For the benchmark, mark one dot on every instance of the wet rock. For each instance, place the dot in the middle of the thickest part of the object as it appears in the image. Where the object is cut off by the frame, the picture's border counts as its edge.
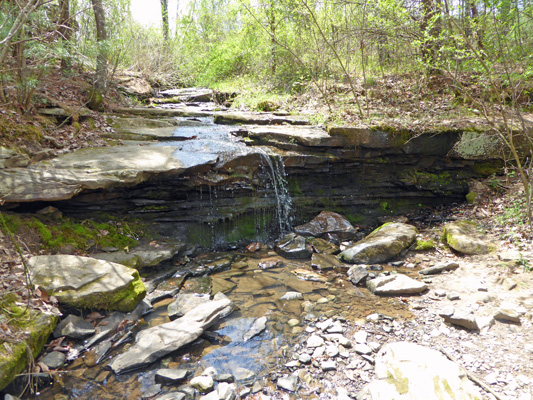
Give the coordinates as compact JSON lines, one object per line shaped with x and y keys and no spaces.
{"x":151,"y":391}
{"x":293,"y":246}
{"x":170,"y":375}
{"x":423,"y":373}
{"x":203,"y":383}
{"x":270,"y":264}
{"x":466,"y":319}
{"x":291,"y":296}
{"x":328,"y":225}
{"x":395,"y":285}
{"x":86,"y":282}
{"x":322,"y":246}
{"x":184,"y":303}
{"x":224,"y":378}
{"x":437,"y":269}
{"x":54,"y":360}
{"x":154,"y":343}
{"x":258,"y":326}
{"x":243,"y":374}
{"x":74,"y":327}
{"x":386,"y":242}
{"x":307,"y":275}
{"x":325,"y":262}
{"x":357,"y":274}
{"x":289,"y":383}
{"x":465,"y":237}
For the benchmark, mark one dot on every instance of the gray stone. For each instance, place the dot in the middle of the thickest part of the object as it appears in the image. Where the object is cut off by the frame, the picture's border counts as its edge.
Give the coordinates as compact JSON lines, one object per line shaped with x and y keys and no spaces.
{"x":243,"y":374}
{"x":308,"y":275}
{"x":305,"y":358}
{"x":291,"y":296}
{"x":211,"y":396}
{"x":156,"y":342}
{"x":357,"y":274}
{"x":86,"y":282}
{"x":395,"y":285}
{"x":250,"y":118}
{"x":437,"y":269}
{"x":462,"y":318}
{"x":325,"y":262}
{"x":97,"y":168}
{"x":300,"y":135}
{"x":385,"y":243}
{"x":329,"y":365}
{"x":361,"y":348}
{"x":226,"y":391}
{"x":184,"y":303}
{"x":224,"y":378}
{"x":258,"y":326}
{"x":289,"y":383}
{"x":322,"y":246}
{"x":54,"y":360}
{"x":170,"y":375}
{"x":315,"y":341}
{"x":465,"y":237}
{"x":171,"y":396}
{"x":203,"y":383}
{"x":423,"y":373}
{"x":74,"y":327}
{"x":293,"y":246}
{"x":360,"y":336}
{"x":143,"y":257}
{"x":508,"y":313}
{"x":328,"y":225}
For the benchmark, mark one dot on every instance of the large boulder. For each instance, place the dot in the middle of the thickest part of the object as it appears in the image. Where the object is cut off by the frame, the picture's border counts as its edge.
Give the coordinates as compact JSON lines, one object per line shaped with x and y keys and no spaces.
{"x":395,"y":285}
{"x":85,"y":282}
{"x":328,"y":225}
{"x":385,"y":243}
{"x":465,"y":237}
{"x":408,"y":371}
{"x":154,"y":343}
{"x":293,"y":246}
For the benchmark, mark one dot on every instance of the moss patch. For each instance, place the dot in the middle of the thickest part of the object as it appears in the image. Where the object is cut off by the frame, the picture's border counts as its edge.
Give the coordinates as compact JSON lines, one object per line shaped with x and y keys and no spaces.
{"x":30,"y":329}
{"x":424,"y":245}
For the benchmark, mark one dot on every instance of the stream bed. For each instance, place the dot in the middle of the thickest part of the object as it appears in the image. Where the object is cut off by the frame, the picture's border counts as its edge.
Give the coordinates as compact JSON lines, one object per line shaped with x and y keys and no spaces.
{"x":229,"y":346}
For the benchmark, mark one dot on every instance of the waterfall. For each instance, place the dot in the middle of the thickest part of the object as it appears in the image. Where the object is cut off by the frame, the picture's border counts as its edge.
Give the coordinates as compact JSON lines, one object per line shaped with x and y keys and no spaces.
{"x":278,"y":181}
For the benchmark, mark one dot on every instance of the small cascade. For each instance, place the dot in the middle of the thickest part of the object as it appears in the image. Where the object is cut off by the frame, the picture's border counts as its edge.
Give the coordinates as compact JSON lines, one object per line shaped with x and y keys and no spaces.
{"x":276,"y":172}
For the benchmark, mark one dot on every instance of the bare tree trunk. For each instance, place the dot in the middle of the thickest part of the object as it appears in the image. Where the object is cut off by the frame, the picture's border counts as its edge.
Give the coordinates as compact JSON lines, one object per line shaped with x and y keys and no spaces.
{"x":164,"y":16}
{"x":96,"y":96}
{"x":65,"y":30}
{"x":430,"y":27}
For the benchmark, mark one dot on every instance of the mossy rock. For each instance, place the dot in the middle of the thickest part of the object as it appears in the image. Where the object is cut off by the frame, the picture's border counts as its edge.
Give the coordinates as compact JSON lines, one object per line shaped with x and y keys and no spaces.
{"x":424,"y":245}
{"x":85,"y":282}
{"x":383,"y":244}
{"x":36,"y":328}
{"x":466,"y":237}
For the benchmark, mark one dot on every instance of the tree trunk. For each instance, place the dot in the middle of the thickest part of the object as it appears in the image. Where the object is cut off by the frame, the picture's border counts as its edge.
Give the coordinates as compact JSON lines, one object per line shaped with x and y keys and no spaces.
{"x":164,"y":16}
{"x":65,"y":30}
{"x":430,"y":27}
{"x":96,"y":95}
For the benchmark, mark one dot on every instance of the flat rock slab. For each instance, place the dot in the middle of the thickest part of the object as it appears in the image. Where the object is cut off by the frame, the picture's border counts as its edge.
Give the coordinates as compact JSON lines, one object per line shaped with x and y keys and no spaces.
{"x":86,"y":282}
{"x":74,"y":327}
{"x":95,"y":168}
{"x":189,"y":94}
{"x":325,"y":262}
{"x":302,"y":135}
{"x":385,"y":243}
{"x":154,"y":343}
{"x":419,"y":372}
{"x":466,"y":237}
{"x":180,"y":111}
{"x":143,"y":256}
{"x":184,"y":303}
{"x":249,"y":118}
{"x":437,"y":269}
{"x":395,"y":285}
{"x":328,"y":225}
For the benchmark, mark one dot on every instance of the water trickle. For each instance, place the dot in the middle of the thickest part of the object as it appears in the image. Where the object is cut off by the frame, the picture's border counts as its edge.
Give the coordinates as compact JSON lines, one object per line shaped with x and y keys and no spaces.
{"x":278,"y":181}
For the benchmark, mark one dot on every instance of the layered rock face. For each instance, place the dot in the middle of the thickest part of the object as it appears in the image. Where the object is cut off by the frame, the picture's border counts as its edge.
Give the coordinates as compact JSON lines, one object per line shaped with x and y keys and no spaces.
{"x":213,"y":184}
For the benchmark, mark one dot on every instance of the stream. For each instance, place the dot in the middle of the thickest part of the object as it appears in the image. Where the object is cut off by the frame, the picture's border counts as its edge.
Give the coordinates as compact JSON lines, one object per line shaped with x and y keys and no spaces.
{"x":261,"y":284}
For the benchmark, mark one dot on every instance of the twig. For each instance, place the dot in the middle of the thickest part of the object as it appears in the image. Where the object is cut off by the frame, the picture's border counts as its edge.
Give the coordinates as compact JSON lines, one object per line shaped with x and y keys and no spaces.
{"x":471,"y":376}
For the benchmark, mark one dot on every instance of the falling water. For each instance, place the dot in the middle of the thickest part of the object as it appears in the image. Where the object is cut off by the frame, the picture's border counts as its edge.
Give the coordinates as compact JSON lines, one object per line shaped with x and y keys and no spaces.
{"x":276,"y":172}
